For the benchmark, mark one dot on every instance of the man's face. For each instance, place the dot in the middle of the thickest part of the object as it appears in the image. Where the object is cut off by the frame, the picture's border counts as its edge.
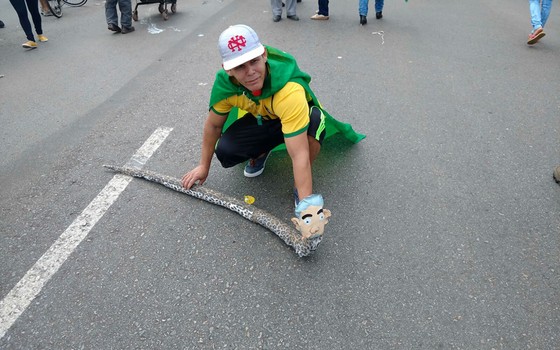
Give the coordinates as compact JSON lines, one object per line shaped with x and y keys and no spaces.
{"x":312,"y":221}
{"x":251,"y":74}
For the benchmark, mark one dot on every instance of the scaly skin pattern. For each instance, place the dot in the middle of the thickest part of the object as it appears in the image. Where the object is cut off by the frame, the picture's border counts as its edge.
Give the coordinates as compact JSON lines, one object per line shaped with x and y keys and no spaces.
{"x":288,"y":234}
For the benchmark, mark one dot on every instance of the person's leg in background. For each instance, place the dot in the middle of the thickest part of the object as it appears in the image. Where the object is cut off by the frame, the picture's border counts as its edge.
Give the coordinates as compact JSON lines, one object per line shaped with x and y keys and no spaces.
{"x":276,"y":6}
{"x":21,"y":10}
{"x":545,"y":11}
{"x":363,"y":11}
{"x":536,"y":21}
{"x":323,"y":12}
{"x":45,"y":10}
{"x":125,"y":6}
{"x":378,"y":9}
{"x":291,"y":10}
{"x":111,"y":16}
{"x":535,"y":9}
{"x":324,"y":7}
{"x":33,"y":7}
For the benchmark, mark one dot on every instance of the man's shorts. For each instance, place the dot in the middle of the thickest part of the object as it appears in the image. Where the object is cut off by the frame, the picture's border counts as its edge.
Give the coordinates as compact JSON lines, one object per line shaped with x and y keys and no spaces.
{"x":249,"y":137}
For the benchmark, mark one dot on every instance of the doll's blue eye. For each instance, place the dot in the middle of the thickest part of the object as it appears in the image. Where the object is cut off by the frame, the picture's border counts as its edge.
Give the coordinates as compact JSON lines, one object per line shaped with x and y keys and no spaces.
{"x":321,"y":216}
{"x":307,"y":221}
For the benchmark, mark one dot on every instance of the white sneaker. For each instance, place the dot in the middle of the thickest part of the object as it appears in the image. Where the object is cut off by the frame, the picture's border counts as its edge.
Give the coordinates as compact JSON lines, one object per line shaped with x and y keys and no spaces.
{"x":319,"y":17}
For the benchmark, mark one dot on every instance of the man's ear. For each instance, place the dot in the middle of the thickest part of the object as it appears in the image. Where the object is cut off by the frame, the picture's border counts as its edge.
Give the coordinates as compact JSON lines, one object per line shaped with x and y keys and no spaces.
{"x":327,"y":213}
{"x":227,"y":71}
{"x":296,"y":223}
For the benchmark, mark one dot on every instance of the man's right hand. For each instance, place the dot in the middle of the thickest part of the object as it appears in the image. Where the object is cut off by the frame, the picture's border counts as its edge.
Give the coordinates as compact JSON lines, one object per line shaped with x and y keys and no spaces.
{"x":200,"y":173}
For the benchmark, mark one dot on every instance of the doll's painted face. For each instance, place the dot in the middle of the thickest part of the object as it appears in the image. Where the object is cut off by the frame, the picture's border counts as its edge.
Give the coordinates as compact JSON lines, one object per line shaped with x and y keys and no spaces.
{"x":311,"y":217}
{"x":312,"y":221}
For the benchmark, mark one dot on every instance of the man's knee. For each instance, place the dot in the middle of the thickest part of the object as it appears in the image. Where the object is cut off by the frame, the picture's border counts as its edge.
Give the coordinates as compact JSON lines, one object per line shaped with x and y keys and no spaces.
{"x":224,"y":153}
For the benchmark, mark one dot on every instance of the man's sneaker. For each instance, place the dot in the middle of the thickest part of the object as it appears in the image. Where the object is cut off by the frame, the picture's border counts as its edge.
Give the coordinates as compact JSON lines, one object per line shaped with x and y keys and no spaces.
{"x":379,"y":15}
{"x":30,"y":45}
{"x":319,"y":17}
{"x":255,"y":167}
{"x":46,"y":13}
{"x":113,"y":27}
{"x":126,"y":30}
{"x":535,"y":36}
{"x":42,"y":38}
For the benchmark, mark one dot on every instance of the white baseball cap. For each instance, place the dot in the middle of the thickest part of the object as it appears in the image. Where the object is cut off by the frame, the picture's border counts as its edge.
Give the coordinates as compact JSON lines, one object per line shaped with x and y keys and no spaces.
{"x":239,"y":44}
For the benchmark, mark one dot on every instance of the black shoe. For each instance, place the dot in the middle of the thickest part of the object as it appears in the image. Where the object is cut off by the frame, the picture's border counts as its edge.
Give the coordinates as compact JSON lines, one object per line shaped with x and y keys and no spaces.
{"x":114,"y":28}
{"x":378,"y":15}
{"x":298,"y":0}
{"x":363,"y":20}
{"x":294,"y":18}
{"x":1,"y":24}
{"x":126,"y":30}
{"x":276,"y":18}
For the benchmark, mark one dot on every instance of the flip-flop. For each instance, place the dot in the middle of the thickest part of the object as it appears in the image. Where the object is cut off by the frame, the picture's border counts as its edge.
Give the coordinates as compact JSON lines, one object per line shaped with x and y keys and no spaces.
{"x":536,"y":36}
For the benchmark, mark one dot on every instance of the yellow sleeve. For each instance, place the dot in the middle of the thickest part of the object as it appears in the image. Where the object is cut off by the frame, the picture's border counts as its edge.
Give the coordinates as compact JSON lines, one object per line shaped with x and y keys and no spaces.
{"x":222,"y":108}
{"x":290,"y":105}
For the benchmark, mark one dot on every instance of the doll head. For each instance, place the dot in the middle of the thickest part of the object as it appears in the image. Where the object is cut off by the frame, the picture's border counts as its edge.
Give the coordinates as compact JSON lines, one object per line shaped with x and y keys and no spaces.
{"x":311,"y":218}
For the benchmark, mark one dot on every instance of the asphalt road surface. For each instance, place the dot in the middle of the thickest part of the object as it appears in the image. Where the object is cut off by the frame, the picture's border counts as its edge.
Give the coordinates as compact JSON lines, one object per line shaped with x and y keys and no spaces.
{"x":445,"y":227}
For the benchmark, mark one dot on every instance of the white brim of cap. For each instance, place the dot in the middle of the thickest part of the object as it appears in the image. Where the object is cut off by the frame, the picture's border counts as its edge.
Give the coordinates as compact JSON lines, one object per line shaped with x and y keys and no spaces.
{"x":243,"y":58}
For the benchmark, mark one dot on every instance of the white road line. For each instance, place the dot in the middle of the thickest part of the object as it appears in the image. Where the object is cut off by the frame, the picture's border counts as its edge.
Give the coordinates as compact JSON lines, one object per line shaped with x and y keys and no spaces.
{"x":19,"y":298}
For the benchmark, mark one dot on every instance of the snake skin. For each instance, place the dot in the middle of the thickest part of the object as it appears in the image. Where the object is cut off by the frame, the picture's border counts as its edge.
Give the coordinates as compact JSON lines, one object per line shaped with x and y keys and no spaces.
{"x":288,"y":234}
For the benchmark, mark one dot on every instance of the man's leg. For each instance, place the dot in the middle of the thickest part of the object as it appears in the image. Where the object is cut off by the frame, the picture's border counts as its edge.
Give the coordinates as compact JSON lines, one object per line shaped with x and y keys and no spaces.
{"x":545,"y":11}
{"x":324,"y":7}
{"x":378,"y":5}
{"x":21,"y":10}
{"x":315,"y":132}
{"x":363,"y":7}
{"x":111,"y":14}
{"x":33,"y":6}
{"x":535,"y":9}
{"x":45,"y":8}
{"x":276,"y":10}
{"x":290,"y":8}
{"x":125,"y":6}
{"x":248,"y":138}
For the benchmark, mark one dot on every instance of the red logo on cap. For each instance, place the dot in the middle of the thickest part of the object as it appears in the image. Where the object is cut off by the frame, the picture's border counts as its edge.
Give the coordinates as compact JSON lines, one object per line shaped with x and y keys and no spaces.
{"x":237,"y":42}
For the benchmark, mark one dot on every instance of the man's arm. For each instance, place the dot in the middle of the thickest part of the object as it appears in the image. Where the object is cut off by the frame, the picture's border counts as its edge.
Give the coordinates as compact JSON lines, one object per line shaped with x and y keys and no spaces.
{"x":210,"y":135}
{"x":298,"y":149}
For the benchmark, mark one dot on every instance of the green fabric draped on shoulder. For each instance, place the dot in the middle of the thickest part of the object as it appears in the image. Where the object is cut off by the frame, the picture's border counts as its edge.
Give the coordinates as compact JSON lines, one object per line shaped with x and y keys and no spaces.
{"x":283,"y":68}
